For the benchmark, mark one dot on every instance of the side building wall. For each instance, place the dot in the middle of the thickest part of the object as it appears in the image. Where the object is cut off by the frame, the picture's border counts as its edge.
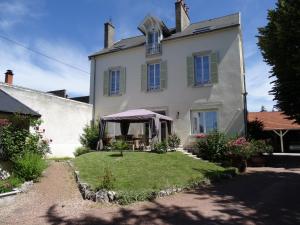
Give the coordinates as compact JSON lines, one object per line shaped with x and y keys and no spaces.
{"x":63,"y":119}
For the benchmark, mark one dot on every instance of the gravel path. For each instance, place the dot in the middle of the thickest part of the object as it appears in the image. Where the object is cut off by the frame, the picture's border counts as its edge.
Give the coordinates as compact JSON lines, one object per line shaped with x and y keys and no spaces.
{"x":261,"y":196}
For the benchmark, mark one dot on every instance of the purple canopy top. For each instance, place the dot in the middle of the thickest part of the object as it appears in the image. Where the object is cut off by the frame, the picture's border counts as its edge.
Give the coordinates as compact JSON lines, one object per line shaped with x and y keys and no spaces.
{"x":136,"y":115}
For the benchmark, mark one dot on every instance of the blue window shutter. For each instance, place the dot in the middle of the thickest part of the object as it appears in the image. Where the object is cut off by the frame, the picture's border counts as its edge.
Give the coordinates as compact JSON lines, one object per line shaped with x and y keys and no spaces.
{"x":106,"y":83}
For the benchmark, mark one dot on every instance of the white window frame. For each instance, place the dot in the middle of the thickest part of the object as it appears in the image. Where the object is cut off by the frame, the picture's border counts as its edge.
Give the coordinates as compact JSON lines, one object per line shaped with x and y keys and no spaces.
{"x":114,"y":90}
{"x":155,"y":77}
{"x":198,"y":122}
{"x":202,"y":70}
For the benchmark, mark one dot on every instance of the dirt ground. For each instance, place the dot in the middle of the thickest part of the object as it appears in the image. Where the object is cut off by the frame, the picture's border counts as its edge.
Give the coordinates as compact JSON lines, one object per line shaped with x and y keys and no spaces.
{"x":261,"y":196}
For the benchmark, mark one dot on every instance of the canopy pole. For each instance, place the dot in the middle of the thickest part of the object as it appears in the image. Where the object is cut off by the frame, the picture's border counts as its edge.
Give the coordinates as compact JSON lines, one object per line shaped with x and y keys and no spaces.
{"x":280,"y":134}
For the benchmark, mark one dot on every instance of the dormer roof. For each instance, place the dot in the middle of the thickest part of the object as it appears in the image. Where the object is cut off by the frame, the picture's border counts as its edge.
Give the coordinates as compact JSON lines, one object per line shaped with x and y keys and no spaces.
{"x":150,"y":22}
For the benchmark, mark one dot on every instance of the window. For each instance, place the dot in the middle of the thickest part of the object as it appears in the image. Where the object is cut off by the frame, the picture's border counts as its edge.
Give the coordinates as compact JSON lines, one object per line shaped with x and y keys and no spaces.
{"x":202,"y":69}
{"x":153,"y":45}
{"x":114,"y":87}
{"x":204,"y":121}
{"x":153,"y":76}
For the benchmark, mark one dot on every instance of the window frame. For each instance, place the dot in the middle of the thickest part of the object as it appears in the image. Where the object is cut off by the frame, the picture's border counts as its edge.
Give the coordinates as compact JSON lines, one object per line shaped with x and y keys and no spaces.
{"x":202,"y":83}
{"x":117,"y":81}
{"x":156,"y":87}
{"x":205,"y":122}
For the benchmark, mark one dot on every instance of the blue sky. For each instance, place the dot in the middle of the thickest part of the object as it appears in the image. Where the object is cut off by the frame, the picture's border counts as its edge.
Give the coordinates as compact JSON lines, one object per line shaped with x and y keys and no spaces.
{"x":70,"y":30}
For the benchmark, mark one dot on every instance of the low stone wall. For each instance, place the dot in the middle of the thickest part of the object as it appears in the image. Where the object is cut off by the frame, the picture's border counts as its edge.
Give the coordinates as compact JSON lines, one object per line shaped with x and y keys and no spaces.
{"x":106,"y":196}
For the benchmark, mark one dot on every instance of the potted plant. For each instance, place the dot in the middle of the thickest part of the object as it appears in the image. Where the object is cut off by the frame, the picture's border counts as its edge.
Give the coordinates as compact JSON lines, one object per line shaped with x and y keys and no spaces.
{"x":239,"y":150}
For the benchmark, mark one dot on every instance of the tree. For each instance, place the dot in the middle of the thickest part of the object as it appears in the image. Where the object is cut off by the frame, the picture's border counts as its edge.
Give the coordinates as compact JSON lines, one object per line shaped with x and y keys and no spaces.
{"x":263,"y":109}
{"x":279,"y":42}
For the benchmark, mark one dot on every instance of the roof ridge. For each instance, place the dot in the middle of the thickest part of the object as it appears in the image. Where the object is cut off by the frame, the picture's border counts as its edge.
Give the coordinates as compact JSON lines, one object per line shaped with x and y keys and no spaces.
{"x":216,"y":18}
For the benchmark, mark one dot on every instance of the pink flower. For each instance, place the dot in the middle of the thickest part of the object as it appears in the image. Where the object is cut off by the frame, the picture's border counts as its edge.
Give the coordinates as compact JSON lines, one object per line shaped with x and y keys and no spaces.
{"x":201,"y":135}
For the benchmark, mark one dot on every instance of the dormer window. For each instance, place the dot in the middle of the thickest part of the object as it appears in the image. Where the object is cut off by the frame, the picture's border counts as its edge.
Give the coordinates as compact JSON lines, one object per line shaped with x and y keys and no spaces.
{"x":154,"y":30}
{"x":153,"y":43}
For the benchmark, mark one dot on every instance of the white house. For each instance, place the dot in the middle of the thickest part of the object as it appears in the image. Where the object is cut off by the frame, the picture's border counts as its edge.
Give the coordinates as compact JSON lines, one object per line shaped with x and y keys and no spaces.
{"x":193,"y":73}
{"x":63,"y":118}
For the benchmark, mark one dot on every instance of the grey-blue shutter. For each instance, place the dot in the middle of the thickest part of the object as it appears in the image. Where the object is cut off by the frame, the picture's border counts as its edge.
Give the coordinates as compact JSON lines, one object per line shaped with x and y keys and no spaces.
{"x":190,"y":71}
{"x":214,"y":67}
{"x":122,"y":80}
{"x":163,"y":75}
{"x":144,"y":80}
{"x":106,"y":83}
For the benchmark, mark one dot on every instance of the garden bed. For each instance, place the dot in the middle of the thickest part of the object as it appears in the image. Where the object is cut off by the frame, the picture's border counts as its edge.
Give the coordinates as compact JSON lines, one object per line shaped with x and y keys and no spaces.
{"x":143,"y":175}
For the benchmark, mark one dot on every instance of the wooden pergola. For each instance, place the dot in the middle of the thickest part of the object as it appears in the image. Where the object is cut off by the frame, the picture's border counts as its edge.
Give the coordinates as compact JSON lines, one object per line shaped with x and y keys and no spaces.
{"x":276,"y":122}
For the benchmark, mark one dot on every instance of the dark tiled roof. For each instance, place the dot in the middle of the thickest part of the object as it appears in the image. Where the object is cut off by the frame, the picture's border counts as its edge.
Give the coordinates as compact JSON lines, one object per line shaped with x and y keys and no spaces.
{"x":9,"y":104}
{"x":274,"y":120}
{"x":192,"y":29}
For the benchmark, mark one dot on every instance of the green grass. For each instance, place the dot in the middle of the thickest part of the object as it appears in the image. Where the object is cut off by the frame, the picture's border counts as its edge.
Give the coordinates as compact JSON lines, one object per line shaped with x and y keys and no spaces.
{"x":144,"y":171}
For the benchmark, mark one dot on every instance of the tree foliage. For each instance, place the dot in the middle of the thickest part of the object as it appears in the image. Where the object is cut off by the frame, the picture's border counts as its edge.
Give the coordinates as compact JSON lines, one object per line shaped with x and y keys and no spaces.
{"x":90,"y":136}
{"x":279,"y":42}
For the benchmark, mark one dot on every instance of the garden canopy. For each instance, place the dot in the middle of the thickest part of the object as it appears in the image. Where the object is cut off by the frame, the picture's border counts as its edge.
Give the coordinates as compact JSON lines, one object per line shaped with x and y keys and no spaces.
{"x":135,"y":116}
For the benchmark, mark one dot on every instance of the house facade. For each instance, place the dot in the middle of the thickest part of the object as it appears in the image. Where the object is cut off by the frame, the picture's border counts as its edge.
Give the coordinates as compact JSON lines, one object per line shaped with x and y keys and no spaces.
{"x":193,"y":73}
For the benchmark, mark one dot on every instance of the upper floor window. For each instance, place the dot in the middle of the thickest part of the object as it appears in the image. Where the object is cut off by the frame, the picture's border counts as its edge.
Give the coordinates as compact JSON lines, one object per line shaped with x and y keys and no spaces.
{"x":202,"y":69}
{"x":114,"y":77}
{"x":153,"y":75}
{"x":204,"y":121}
{"x":153,"y":43}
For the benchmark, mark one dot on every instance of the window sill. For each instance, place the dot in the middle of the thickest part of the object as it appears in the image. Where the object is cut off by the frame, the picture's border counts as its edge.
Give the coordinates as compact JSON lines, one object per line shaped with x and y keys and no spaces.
{"x":114,"y":95}
{"x":203,"y":85}
{"x":155,"y":90}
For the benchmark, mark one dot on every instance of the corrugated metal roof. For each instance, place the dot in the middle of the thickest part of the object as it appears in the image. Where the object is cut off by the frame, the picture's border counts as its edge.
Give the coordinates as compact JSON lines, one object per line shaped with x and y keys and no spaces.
{"x":9,"y":104}
{"x":274,"y":120}
{"x":193,"y":29}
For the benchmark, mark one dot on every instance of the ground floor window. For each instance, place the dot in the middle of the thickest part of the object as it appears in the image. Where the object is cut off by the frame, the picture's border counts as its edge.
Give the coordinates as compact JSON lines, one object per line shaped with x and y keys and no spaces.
{"x":204,"y":121}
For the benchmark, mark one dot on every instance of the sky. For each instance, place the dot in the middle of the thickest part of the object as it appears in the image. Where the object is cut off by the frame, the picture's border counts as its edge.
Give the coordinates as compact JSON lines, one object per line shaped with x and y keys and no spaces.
{"x":69,"y":31}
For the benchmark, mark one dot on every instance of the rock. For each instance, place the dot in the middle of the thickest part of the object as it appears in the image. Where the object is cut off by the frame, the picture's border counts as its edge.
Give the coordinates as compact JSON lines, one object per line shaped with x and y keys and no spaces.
{"x":111,"y":195}
{"x":162,"y":193}
{"x":101,"y":196}
{"x":26,"y":186}
{"x":4,"y":174}
{"x":90,"y":195}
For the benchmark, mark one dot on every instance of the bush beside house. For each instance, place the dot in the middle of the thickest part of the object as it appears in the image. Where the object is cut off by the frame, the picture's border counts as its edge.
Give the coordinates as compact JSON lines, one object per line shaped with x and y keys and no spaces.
{"x":23,"y":150}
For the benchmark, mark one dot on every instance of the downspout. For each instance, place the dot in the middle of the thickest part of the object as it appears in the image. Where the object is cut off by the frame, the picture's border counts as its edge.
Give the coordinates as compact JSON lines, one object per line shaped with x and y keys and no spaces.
{"x":94,"y":89}
{"x":245,"y":93}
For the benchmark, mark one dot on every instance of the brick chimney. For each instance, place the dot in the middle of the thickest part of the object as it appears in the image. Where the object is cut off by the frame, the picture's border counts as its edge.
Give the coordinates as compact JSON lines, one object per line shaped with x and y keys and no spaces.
{"x":9,"y":77}
{"x":109,"y":33}
{"x":182,"y":16}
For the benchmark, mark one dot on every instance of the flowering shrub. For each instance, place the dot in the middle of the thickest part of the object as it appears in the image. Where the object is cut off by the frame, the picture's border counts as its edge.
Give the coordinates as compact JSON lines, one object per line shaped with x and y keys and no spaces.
{"x":239,"y":147}
{"x":212,"y":146}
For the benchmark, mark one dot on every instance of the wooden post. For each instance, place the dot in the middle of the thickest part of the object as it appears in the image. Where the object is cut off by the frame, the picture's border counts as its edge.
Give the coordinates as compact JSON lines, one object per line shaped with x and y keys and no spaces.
{"x":280,"y":134}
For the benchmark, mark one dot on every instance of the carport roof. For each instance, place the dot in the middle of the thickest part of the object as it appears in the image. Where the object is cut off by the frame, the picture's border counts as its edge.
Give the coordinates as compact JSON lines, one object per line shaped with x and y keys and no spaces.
{"x":9,"y":104}
{"x":274,"y":120}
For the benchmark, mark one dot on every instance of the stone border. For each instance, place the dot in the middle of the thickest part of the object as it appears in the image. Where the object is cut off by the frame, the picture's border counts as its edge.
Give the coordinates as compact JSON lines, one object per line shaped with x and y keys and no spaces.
{"x":23,"y":189}
{"x":105,"y":196}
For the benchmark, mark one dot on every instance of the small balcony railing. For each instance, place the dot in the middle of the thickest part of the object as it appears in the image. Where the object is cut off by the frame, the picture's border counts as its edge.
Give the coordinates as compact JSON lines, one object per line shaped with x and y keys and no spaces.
{"x":152,"y":49}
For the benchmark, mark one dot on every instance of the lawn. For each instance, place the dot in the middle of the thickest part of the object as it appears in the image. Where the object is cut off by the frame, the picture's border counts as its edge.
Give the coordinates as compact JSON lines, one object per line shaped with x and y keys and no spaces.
{"x":143,"y":171}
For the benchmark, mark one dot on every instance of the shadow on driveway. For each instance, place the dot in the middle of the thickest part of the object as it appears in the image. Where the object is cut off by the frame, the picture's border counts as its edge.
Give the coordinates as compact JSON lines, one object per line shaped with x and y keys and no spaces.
{"x":261,"y":196}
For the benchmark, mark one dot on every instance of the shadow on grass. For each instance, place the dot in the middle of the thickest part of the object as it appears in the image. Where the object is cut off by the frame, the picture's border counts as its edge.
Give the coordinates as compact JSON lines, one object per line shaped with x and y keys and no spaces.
{"x":253,"y":198}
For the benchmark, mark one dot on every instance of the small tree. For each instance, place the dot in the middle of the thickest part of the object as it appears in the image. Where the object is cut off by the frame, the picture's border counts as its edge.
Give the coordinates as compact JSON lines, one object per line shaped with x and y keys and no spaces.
{"x":90,"y":136}
{"x":173,"y":141}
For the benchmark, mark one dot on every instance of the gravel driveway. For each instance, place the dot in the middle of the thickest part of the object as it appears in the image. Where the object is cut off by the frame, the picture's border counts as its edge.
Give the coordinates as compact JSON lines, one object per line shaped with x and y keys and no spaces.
{"x":261,"y":196}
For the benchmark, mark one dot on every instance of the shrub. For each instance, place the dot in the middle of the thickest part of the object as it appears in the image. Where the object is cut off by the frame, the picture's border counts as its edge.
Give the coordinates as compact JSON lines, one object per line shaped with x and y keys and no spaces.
{"x":260,"y":146}
{"x":108,"y":180}
{"x":128,"y":197}
{"x":29,"y":166}
{"x":255,"y":130}
{"x":15,"y":138}
{"x":213,"y":146}
{"x":173,"y":141}
{"x":81,"y":150}
{"x":160,"y":147}
{"x":120,"y":145}
{"x":90,"y":136}
{"x":10,"y":183}
{"x":239,"y":147}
